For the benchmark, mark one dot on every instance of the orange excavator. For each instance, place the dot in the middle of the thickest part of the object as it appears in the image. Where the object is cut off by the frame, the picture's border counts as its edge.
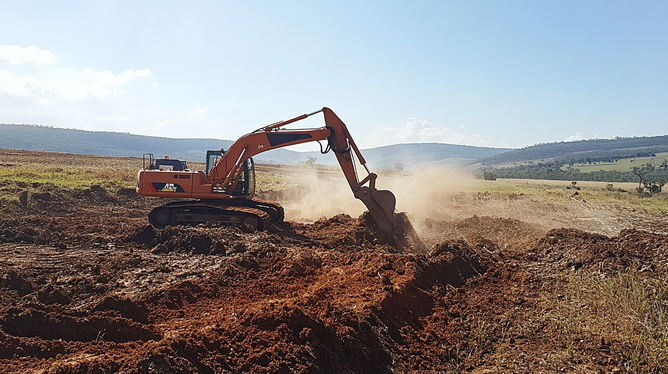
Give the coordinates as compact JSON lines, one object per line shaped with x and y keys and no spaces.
{"x":225,"y":192}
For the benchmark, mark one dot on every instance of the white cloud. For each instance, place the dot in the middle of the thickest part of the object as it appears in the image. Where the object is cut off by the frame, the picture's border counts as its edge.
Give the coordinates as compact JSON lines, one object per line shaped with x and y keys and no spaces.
{"x":16,"y":55}
{"x":573,"y":138}
{"x":108,"y":78}
{"x":17,"y":86}
{"x":421,"y":131}
{"x":44,"y":102}
{"x":197,"y":112}
{"x":98,"y":84}
{"x":112,"y":119}
{"x":162,"y":124}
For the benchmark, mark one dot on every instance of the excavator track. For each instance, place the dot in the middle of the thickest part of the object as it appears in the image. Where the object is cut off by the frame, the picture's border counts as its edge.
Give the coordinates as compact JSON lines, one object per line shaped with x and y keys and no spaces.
{"x":196,"y":212}
{"x":275,"y":210}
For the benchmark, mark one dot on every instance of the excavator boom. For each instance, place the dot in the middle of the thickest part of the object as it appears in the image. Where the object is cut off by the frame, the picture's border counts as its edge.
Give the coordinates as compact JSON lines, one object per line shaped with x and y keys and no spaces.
{"x":381,"y":203}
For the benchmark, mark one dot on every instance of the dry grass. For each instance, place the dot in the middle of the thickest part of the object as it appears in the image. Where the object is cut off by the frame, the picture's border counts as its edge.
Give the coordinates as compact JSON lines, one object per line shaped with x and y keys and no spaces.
{"x":273,"y":178}
{"x":68,"y":171}
{"x":284,"y":177}
{"x":628,"y":311}
{"x":71,"y":177}
{"x":595,"y":192}
{"x":593,"y":208}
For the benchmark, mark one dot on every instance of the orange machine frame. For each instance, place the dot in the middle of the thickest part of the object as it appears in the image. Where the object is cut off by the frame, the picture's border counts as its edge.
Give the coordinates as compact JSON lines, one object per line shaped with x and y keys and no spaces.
{"x":224,"y":175}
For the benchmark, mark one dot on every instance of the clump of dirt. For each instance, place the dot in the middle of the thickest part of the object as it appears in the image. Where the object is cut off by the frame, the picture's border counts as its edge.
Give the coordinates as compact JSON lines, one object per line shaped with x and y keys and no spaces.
{"x":98,"y":194}
{"x":632,"y":250}
{"x":17,"y":282}
{"x":95,"y":327}
{"x":345,"y":231}
{"x":30,"y":230}
{"x":193,"y":240}
{"x":489,"y":232}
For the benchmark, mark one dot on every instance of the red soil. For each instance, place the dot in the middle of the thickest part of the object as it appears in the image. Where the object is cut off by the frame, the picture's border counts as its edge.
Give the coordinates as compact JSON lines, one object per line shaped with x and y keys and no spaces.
{"x":87,"y":286}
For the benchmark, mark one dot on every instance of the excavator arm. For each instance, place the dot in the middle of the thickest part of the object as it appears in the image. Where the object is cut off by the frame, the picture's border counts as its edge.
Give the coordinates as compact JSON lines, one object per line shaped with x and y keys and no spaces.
{"x":227,"y":170}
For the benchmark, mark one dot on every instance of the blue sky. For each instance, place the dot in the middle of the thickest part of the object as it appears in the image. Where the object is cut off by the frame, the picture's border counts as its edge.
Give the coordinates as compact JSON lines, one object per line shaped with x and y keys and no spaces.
{"x":485,"y":73}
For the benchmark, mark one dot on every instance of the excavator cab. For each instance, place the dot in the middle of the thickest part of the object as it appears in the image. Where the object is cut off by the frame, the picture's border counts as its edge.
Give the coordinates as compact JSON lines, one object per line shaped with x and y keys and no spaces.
{"x":211,"y":157}
{"x":246,"y":183}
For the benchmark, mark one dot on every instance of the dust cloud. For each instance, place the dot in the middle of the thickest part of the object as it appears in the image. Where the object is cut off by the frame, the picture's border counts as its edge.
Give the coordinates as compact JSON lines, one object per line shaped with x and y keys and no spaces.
{"x":323,"y":193}
{"x":425,"y":193}
{"x":319,"y":193}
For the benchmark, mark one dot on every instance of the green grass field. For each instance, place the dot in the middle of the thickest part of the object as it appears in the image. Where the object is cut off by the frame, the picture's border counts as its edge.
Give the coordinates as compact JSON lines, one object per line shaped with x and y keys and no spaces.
{"x":622,"y":165}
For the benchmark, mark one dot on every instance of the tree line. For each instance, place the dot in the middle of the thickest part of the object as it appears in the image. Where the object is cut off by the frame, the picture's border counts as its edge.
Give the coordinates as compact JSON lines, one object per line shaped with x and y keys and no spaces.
{"x":598,"y":150}
{"x":649,"y":177}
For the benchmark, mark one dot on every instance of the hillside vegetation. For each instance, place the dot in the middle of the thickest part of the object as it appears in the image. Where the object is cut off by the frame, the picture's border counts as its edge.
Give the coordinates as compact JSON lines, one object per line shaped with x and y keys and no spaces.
{"x":43,"y":138}
{"x":583,"y":151}
{"x":596,"y":160}
{"x":641,"y":160}
{"x":414,"y":156}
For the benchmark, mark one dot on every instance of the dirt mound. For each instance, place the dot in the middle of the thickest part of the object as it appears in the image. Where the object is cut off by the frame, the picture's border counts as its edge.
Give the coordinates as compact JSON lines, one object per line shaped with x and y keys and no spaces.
{"x":318,"y":310}
{"x":489,"y":232}
{"x":194,"y":240}
{"x":632,"y":250}
{"x":324,"y":297}
{"x":340,"y":232}
{"x":30,"y":230}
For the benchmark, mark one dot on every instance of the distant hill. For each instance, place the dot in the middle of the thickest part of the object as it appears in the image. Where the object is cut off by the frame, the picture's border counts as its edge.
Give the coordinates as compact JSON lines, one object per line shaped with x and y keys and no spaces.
{"x":44,"y":138}
{"x":583,"y":151}
{"x":101,"y":143}
{"x":413,"y":155}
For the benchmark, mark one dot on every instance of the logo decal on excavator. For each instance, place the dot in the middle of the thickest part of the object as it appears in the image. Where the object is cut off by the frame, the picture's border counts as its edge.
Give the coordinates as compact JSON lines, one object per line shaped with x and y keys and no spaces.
{"x":166,"y":187}
{"x":260,"y":146}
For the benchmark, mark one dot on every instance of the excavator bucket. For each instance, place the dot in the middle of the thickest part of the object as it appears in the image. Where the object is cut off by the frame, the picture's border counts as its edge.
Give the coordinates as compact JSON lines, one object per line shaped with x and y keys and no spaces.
{"x":381,"y":205}
{"x":386,"y":201}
